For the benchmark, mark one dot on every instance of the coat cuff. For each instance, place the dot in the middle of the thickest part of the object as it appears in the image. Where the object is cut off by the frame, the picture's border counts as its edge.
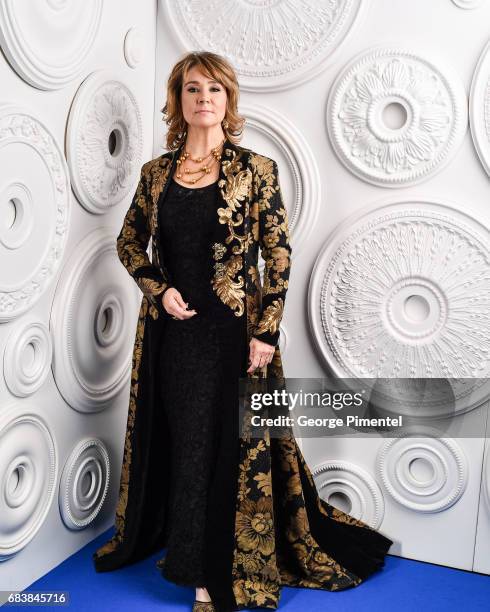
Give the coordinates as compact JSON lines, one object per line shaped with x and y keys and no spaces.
{"x":150,"y":280}
{"x":268,"y":338}
{"x":151,"y":283}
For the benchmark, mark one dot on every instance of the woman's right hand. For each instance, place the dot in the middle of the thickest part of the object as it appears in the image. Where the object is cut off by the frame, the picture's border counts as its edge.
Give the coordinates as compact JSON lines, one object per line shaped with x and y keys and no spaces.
{"x":174,"y":304}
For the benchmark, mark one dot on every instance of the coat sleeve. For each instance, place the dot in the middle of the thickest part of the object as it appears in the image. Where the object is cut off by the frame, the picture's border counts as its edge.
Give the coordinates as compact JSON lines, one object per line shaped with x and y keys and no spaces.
{"x":132,"y":243}
{"x":276,"y":251}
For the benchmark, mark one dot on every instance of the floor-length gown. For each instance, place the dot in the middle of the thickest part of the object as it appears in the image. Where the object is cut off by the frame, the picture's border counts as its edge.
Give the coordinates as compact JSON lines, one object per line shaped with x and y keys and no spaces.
{"x":200,"y":362}
{"x":196,"y":356}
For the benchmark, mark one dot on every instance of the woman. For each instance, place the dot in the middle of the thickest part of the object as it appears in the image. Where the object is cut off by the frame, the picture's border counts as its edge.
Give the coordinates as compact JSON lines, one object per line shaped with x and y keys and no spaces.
{"x":239,"y":516}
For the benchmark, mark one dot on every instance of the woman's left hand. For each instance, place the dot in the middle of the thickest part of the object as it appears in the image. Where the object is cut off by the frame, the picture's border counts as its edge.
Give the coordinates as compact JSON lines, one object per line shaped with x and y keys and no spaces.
{"x":261,"y":353}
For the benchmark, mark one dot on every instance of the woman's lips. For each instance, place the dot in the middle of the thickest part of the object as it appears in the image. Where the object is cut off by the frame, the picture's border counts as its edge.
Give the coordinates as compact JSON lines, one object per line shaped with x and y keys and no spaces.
{"x":204,"y":111}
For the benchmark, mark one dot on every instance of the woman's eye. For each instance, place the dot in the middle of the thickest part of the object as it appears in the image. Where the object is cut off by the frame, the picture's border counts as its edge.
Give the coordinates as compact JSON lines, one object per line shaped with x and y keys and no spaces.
{"x":191,"y":89}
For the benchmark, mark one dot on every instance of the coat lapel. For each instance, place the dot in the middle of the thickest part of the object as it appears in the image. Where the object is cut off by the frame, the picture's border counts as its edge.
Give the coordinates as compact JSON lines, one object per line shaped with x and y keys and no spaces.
{"x":229,"y":237}
{"x":229,"y":241}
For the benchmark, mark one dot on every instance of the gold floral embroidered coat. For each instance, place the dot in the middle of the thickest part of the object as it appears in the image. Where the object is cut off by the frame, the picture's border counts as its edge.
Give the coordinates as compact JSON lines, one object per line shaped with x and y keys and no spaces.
{"x":267,"y":526}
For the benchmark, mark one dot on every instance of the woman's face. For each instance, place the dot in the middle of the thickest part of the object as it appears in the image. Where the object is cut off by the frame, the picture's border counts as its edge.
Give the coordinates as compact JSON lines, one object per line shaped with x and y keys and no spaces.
{"x":200,"y":93}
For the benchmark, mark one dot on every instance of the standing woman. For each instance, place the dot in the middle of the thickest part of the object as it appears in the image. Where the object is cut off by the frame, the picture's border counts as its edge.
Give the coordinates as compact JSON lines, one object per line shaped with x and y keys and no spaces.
{"x":239,"y":516}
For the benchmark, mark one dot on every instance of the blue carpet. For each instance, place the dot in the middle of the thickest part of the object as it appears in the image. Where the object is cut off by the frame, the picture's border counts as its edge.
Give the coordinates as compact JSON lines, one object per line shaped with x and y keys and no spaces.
{"x":401,"y":585}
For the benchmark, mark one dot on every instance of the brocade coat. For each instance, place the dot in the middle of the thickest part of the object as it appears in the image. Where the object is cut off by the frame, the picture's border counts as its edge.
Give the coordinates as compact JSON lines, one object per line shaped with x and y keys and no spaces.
{"x":267,"y":526}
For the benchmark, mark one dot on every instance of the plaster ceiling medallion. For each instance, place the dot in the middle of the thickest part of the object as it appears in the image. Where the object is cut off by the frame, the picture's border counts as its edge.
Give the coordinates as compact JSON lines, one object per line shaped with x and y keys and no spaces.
{"x":421,"y":473}
{"x":27,"y":358}
{"x":468,"y":4}
{"x":480,"y":108}
{"x":47,"y":42}
{"x":134,"y":47}
{"x":104,"y":141}
{"x":34,"y":209}
{"x":351,"y":489}
{"x":429,"y":399}
{"x":95,"y":306}
{"x":403,"y":291}
{"x":272,"y":44}
{"x":28,"y":474}
{"x":395,"y":118}
{"x":301,"y":186}
{"x":84,"y":483}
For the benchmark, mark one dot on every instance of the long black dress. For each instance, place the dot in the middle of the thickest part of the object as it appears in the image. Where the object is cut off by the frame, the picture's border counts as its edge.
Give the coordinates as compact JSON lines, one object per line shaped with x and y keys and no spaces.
{"x":197,"y":355}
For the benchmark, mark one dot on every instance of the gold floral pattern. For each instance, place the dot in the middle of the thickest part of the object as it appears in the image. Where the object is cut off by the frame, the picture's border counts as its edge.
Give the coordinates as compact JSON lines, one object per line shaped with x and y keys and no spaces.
{"x":202,"y":606}
{"x":255,"y":526}
{"x":132,"y":242}
{"x":228,"y":290}
{"x":219,"y":250}
{"x":117,"y":539}
{"x":234,"y":189}
{"x":150,"y":286}
{"x":259,"y":568}
{"x":269,"y":230}
{"x":271,"y":317}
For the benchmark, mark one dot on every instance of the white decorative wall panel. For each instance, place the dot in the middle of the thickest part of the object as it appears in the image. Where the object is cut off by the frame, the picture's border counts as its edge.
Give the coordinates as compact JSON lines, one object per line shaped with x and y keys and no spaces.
{"x":49,"y":41}
{"x":95,"y":304}
{"x":273,"y":44}
{"x":27,"y":358}
{"x":421,"y":473}
{"x":29,"y":469}
{"x":104,"y":141}
{"x":403,"y":290}
{"x":468,"y":4}
{"x":300,"y":187}
{"x":350,"y":488}
{"x":84,"y":483}
{"x":429,"y":398}
{"x":480,"y":108}
{"x":34,"y":195}
{"x":77,"y":82}
{"x":134,"y":47}
{"x":395,"y":117}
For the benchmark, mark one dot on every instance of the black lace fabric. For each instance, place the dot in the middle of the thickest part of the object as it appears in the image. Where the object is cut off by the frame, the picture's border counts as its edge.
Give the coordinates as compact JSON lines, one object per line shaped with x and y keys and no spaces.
{"x":196,"y":356}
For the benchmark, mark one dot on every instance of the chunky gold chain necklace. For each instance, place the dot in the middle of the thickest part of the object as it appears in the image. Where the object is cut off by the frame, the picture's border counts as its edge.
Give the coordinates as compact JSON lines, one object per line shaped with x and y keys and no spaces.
{"x":205,"y":169}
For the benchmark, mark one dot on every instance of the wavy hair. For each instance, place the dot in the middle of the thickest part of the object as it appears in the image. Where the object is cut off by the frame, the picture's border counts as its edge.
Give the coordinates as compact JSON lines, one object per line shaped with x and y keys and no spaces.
{"x":214,"y":67}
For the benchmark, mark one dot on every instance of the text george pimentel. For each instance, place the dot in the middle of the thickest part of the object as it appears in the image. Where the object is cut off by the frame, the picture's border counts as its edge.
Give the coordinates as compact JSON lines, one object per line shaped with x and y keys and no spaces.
{"x":336,"y":401}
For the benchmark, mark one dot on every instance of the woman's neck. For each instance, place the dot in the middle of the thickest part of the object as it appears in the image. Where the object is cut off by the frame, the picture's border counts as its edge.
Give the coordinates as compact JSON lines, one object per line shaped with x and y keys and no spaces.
{"x":200,"y":143}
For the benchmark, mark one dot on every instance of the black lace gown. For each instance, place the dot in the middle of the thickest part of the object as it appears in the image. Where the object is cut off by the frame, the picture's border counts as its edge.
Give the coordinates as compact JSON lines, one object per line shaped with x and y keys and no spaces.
{"x":197,"y":356}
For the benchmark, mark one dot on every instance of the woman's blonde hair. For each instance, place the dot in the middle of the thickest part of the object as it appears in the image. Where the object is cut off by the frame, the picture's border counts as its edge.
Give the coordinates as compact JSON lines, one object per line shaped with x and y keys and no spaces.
{"x":214,"y":67}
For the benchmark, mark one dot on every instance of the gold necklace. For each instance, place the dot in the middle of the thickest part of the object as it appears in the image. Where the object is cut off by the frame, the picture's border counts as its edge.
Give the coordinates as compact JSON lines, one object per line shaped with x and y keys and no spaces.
{"x":205,"y":169}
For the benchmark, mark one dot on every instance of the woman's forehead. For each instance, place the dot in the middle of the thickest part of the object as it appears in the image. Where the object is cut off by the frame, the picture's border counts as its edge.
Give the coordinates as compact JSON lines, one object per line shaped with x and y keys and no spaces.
{"x":195,"y":74}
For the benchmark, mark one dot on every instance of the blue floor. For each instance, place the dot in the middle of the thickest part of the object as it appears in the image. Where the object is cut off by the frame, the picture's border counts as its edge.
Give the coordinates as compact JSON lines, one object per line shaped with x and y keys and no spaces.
{"x":401,"y":585}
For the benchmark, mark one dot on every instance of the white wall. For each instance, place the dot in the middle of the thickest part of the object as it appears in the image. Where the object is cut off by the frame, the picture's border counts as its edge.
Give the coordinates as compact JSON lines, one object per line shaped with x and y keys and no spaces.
{"x":68,"y":309}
